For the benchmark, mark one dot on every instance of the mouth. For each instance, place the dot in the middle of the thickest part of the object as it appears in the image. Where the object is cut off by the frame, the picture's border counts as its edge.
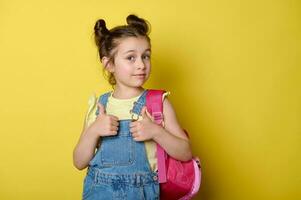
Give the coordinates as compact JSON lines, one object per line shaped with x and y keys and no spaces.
{"x":139,"y":75}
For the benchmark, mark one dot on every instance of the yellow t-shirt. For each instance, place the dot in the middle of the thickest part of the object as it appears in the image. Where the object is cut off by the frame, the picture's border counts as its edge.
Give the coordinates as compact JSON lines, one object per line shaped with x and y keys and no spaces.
{"x":121,"y":108}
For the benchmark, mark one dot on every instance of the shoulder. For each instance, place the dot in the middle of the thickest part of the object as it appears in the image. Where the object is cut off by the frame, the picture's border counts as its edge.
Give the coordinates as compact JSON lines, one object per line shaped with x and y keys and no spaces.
{"x":171,"y":123}
{"x":93,"y":99}
{"x":168,"y":109}
{"x":96,"y":96}
{"x":89,"y":115}
{"x":104,"y":95}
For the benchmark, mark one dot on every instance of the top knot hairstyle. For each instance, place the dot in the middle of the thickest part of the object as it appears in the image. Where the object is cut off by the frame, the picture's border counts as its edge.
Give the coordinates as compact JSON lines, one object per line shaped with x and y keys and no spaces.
{"x":107,"y":40}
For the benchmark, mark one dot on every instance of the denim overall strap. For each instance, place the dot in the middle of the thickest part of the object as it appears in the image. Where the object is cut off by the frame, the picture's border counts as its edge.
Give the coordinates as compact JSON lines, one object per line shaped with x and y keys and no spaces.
{"x":120,"y":168}
{"x":138,"y":105}
{"x":103,"y":99}
{"x":110,"y":157}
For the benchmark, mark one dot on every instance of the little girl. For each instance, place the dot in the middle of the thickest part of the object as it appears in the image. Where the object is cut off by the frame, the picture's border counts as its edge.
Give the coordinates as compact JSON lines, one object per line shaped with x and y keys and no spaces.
{"x":119,"y":151}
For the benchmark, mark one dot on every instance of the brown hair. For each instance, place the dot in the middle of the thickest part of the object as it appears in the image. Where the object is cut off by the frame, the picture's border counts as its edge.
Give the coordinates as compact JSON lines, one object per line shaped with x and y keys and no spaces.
{"x":107,"y":40}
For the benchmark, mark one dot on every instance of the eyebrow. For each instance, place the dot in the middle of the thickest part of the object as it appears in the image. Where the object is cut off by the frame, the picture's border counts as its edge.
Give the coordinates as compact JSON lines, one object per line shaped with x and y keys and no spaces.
{"x":134,"y":50}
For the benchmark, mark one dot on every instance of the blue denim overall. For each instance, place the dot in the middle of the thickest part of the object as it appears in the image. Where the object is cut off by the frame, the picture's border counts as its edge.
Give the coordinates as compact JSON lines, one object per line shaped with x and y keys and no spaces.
{"x":120,"y":168}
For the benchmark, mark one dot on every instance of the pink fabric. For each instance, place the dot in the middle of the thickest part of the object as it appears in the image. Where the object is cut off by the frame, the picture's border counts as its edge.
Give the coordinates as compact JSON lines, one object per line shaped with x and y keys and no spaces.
{"x":178,"y":180}
{"x":156,"y":110}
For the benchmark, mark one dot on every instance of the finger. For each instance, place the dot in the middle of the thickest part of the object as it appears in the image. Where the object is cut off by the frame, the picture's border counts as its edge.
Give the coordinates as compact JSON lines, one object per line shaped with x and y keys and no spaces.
{"x":149,"y":115}
{"x":101,"y":108}
{"x":108,"y":133}
{"x":114,"y":117}
{"x":135,"y":135}
{"x":114,"y":123}
{"x":113,"y":132}
{"x":143,"y":112}
{"x":114,"y":128}
{"x":133,"y":130}
{"x":138,"y":138}
{"x":133,"y":124}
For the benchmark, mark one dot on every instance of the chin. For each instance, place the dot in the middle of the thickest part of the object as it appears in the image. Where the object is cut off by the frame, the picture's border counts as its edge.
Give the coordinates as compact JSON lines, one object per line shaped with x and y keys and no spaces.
{"x":138,"y":84}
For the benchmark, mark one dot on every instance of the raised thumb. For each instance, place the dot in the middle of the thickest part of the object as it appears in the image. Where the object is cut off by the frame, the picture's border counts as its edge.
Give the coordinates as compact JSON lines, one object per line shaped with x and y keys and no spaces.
{"x":101,"y":108}
{"x":144,"y":112}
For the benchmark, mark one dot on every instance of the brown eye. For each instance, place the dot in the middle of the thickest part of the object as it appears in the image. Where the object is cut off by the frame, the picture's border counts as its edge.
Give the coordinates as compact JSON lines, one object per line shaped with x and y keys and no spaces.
{"x":130,"y":58}
{"x":147,"y":57}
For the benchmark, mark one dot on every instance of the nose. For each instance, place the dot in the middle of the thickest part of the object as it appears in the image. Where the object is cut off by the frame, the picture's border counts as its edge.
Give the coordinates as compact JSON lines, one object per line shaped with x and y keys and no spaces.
{"x":140,"y":64}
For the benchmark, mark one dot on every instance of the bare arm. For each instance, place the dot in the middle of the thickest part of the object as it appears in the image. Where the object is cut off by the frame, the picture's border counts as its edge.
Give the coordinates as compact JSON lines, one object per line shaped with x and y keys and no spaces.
{"x":104,"y":125}
{"x":85,"y":148}
{"x":172,"y":137}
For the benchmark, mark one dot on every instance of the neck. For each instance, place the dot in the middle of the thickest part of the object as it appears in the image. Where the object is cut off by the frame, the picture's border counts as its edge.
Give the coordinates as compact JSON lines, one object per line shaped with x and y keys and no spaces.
{"x":123,"y":92}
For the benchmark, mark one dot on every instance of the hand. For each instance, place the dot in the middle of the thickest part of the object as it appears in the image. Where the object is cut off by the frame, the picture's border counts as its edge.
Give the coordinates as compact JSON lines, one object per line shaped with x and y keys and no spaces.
{"x":104,"y":125}
{"x":144,"y":129}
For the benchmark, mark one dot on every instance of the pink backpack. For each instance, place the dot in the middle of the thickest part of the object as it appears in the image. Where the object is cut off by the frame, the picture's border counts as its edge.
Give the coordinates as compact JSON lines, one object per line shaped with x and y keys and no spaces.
{"x":178,"y":180}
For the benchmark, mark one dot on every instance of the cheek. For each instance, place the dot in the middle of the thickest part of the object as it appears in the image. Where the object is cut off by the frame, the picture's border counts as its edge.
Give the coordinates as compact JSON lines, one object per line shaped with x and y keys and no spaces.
{"x":148,"y":69}
{"x":124,"y":70}
{"x":148,"y":64}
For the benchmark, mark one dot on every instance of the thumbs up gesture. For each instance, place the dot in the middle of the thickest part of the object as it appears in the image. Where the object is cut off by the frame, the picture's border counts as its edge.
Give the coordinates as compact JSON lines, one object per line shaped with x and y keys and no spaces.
{"x":104,"y":125}
{"x":144,"y":129}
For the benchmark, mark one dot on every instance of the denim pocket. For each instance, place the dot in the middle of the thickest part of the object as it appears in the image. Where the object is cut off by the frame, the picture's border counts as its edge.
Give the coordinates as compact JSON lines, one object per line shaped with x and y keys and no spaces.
{"x":117,"y":151}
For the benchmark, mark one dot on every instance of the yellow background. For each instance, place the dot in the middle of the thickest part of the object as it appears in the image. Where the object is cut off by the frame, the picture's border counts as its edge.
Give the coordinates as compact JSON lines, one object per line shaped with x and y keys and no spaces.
{"x":233,"y":69}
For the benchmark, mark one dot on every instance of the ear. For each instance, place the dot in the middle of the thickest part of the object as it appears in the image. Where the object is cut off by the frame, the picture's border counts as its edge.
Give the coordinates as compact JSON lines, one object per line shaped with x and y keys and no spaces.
{"x":107,"y":64}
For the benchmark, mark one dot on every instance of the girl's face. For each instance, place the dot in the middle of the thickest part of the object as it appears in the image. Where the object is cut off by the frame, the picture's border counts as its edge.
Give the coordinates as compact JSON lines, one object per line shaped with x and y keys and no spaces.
{"x":132,"y":63}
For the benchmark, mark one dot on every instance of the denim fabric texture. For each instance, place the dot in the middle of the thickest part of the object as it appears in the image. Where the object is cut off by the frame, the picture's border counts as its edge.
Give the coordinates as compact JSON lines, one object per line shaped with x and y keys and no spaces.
{"x":120,"y":169}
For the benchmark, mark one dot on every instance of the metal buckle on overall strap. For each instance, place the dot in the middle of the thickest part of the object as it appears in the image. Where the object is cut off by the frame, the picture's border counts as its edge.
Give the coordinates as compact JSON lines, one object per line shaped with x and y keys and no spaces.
{"x":135,"y":116}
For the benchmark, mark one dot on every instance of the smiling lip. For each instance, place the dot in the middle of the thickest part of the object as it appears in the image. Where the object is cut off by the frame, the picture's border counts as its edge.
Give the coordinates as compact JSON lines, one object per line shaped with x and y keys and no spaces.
{"x":140,"y":76}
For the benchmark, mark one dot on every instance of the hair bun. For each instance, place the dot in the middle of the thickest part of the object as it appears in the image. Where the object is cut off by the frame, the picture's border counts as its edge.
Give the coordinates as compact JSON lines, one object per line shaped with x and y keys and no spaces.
{"x":139,"y":23}
{"x":100,"y":28}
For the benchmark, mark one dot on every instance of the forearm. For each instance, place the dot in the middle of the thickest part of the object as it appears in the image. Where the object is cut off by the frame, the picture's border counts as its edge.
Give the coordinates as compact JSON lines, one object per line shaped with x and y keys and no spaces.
{"x":174,"y":146}
{"x":85,"y":149}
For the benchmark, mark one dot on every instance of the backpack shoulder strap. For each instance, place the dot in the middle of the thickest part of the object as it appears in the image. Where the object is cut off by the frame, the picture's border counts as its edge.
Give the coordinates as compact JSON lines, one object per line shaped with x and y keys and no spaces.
{"x":154,"y":104}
